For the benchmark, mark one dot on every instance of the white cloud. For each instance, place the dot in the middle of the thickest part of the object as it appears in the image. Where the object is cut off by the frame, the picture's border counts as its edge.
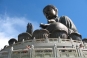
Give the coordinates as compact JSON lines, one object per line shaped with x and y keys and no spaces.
{"x":10,"y":27}
{"x":3,"y":40}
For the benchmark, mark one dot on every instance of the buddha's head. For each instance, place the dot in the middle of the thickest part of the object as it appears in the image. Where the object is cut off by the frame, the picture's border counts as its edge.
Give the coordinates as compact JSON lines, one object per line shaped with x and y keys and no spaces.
{"x":50,"y":12}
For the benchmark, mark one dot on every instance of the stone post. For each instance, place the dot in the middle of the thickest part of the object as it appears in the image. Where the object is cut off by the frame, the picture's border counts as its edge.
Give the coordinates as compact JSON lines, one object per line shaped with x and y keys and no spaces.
{"x":10,"y":52}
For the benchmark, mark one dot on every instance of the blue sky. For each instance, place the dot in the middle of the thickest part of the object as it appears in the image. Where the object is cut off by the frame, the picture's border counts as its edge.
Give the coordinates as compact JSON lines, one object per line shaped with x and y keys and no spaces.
{"x":15,"y":14}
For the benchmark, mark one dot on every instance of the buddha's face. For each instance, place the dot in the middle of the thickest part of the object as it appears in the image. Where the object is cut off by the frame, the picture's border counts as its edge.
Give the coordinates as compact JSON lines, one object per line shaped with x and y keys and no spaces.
{"x":49,"y":13}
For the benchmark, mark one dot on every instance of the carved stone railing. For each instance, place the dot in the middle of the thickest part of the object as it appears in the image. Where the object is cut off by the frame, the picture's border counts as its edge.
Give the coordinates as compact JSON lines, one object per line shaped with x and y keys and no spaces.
{"x":53,"y":52}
